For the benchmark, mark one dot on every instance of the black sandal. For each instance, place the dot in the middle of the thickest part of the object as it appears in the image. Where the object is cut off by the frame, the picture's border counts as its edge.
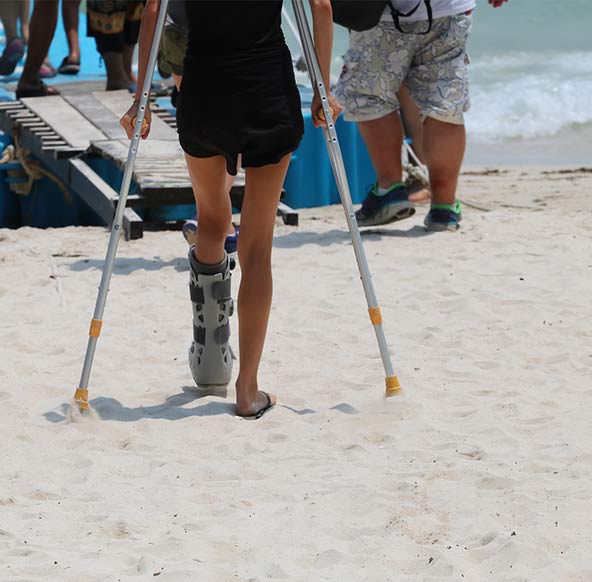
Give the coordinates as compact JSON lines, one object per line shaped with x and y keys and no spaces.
{"x":69,"y":67}
{"x":260,"y":412}
{"x":40,"y":90}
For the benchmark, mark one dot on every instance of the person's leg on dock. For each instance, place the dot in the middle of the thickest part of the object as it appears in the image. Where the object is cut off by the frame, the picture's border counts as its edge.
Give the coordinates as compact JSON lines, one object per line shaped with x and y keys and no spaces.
{"x":131,"y":33}
{"x":127,"y":55}
{"x":116,"y":29}
{"x":70,"y":16}
{"x":9,"y":14}
{"x":25,"y":15}
{"x":10,"y":11}
{"x":42,"y":28}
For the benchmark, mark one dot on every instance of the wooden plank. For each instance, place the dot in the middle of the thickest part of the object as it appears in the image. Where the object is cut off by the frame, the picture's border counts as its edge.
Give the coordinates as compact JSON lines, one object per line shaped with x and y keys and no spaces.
{"x":288,"y":215}
{"x":133,"y":225}
{"x":49,"y":143}
{"x":66,"y":153}
{"x":9,"y":105}
{"x":21,"y":114}
{"x":118,"y":103}
{"x":99,"y":115}
{"x":92,"y":189}
{"x":153,"y":156}
{"x":65,"y":120}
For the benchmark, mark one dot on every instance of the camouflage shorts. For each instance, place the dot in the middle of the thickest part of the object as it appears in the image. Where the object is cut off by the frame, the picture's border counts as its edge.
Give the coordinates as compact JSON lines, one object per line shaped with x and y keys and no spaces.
{"x":433,"y":67}
{"x":173,"y":45}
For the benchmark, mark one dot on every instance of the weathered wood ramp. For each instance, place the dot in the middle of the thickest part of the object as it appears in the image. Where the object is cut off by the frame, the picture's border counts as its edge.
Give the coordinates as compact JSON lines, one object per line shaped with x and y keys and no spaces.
{"x":66,"y":132}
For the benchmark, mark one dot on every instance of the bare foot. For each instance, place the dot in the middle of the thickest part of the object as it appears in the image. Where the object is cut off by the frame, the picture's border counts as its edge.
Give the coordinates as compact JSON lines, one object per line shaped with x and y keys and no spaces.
{"x":255,"y":408}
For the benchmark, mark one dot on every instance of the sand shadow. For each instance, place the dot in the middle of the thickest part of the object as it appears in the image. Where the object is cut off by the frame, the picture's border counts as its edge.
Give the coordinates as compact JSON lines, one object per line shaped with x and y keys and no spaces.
{"x":414,"y":232}
{"x":173,"y":408}
{"x":296,"y":240}
{"x":126,"y":266}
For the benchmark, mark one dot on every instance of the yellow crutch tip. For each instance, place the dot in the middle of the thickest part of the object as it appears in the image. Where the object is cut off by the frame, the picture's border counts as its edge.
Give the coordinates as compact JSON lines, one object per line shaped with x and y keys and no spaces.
{"x":81,"y":398}
{"x":392,"y":385}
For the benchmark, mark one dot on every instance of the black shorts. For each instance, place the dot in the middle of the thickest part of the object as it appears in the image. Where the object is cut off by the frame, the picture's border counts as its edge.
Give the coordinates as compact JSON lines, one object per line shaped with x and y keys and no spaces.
{"x":245,"y":104}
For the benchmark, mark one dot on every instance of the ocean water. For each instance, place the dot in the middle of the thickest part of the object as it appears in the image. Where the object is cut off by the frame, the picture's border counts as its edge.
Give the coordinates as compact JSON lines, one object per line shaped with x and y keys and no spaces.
{"x":530,"y":82}
{"x":530,"y":75}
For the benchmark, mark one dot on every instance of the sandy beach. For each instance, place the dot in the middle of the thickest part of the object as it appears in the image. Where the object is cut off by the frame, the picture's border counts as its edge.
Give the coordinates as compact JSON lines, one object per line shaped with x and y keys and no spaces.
{"x":479,"y":470}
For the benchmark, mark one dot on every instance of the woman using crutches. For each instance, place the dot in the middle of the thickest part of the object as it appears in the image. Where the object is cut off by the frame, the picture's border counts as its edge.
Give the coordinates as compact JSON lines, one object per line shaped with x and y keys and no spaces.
{"x":238,"y":96}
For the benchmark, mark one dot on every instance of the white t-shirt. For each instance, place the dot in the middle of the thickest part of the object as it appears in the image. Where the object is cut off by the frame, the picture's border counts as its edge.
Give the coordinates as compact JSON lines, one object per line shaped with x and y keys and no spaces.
{"x":440,"y":8}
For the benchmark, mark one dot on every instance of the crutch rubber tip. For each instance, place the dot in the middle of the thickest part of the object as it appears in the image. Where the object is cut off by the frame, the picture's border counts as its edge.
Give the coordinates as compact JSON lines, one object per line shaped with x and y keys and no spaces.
{"x":392,"y":385}
{"x":81,"y":398}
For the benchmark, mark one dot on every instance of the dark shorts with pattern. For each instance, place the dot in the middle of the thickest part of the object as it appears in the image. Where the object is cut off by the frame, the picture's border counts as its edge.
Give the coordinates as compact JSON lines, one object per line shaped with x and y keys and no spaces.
{"x":114,"y":23}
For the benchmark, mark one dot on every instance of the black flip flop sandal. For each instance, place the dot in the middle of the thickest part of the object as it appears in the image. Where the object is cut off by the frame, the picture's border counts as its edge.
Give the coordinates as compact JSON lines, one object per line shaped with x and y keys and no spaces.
{"x":260,"y":412}
{"x":41,"y":90}
{"x":69,"y":68}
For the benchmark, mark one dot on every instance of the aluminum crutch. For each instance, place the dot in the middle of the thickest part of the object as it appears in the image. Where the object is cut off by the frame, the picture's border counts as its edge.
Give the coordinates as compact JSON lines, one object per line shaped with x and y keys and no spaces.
{"x":334,"y":150}
{"x":81,"y":394}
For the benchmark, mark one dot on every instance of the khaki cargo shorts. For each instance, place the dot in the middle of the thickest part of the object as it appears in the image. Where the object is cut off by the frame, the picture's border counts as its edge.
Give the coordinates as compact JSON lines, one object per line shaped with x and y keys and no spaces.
{"x":173,"y":45}
{"x":433,"y":67}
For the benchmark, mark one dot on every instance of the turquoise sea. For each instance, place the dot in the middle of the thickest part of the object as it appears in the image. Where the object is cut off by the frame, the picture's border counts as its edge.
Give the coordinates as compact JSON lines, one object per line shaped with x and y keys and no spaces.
{"x":531,"y":80}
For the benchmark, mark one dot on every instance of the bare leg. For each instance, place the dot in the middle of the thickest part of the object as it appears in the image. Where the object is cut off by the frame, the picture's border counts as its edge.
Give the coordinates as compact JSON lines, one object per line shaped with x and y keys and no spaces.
{"x":208,"y":178}
{"x":262,"y":194}
{"x":116,"y":76}
{"x":411,"y":118}
{"x":413,"y":126}
{"x":9,"y":14}
{"x":70,"y":15}
{"x":263,"y":187}
{"x":444,"y":147}
{"x":43,"y":25}
{"x":384,"y":140}
{"x":177,"y":79}
{"x":25,"y":10}
{"x":128,"y":58}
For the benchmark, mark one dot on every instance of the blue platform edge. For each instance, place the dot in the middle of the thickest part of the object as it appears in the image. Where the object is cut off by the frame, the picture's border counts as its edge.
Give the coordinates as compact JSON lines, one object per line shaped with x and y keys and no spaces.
{"x":310,"y":182}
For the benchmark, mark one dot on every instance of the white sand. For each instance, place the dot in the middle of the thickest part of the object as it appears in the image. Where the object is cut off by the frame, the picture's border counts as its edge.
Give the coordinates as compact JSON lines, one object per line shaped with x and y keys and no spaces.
{"x":480,"y":470}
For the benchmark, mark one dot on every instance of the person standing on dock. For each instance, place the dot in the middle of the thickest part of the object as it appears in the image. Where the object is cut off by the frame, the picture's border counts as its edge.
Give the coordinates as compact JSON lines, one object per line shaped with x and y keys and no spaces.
{"x":41,"y":30}
{"x":115,"y":26}
{"x":70,"y":16}
{"x":13,"y":13}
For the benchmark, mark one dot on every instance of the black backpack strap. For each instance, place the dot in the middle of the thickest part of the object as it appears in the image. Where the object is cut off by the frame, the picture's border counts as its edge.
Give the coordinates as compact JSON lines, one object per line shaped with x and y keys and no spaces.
{"x":396,"y":15}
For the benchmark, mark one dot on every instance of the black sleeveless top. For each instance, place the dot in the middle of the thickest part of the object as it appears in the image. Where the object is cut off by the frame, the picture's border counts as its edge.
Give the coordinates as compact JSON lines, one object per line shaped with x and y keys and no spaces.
{"x":227,"y":26}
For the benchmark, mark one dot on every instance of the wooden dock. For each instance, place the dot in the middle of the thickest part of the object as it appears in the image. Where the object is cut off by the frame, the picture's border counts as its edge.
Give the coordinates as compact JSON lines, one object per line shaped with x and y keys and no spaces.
{"x":66,"y":132}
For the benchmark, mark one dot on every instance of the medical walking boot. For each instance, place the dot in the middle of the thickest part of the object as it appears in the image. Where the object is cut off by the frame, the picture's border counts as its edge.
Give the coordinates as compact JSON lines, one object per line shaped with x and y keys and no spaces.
{"x":210,"y":355}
